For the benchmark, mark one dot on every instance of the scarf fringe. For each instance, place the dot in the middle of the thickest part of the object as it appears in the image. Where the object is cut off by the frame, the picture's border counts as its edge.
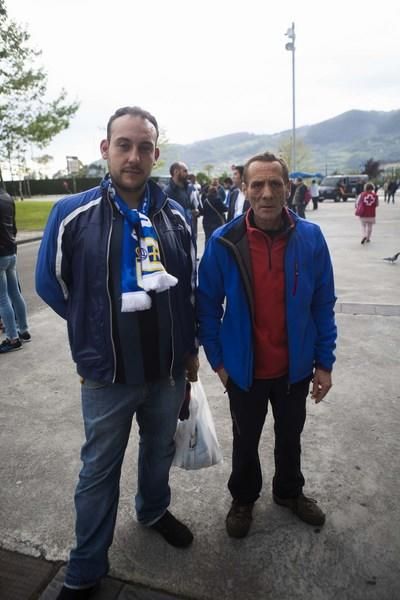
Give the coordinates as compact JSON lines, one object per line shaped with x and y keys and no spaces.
{"x":160,"y":281}
{"x":132,"y":301}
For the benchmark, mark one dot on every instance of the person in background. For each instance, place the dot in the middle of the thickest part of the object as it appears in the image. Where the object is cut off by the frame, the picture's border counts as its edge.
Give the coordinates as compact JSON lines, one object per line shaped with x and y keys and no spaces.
{"x":366,"y":210}
{"x":179,"y":189}
{"x":299,"y":199}
{"x":12,"y":304}
{"x":292,"y":191}
{"x":340,"y":191}
{"x":213,"y":210}
{"x":265,"y":307}
{"x":391,"y":190}
{"x":194,"y":189}
{"x":228,"y":184}
{"x":237,"y":200}
{"x":118,"y":263}
{"x":314,"y":190}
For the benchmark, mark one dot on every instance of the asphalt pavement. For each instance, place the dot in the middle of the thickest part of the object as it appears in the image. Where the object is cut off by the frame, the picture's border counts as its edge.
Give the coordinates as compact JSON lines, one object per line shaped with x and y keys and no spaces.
{"x":351,"y":447}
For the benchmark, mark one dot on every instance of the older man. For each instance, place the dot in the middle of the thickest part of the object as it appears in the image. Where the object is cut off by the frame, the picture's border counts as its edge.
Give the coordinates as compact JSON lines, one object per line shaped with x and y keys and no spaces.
{"x":265,"y":307}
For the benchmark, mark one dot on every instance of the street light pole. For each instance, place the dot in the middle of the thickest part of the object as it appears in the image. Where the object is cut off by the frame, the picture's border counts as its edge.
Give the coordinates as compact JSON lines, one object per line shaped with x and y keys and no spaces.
{"x":291,"y":47}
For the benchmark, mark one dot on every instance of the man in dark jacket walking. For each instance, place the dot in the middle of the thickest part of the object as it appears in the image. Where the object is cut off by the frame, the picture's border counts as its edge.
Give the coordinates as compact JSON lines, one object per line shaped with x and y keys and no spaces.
{"x":299,"y":199}
{"x":117,"y":262}
{"x":265,"y":309}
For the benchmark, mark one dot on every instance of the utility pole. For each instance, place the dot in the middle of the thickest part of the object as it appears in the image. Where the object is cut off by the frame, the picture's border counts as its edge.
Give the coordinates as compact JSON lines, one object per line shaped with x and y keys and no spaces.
{"x":291,"y":47}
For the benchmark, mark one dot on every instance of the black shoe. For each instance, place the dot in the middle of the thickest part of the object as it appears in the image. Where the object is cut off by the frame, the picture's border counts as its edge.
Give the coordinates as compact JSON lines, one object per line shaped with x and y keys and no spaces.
{"x":305,"y":508}
{"x":67,"y":593}
{"x":238,"y":519}
{"x":363,"y":240}
{"x":9,"y":346}
{"x":173,"y":531}
{"x":25,"y":337}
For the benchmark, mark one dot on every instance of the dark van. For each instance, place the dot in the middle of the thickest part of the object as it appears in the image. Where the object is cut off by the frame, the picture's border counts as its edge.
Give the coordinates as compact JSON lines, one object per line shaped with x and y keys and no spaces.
{"x":341,"y":187}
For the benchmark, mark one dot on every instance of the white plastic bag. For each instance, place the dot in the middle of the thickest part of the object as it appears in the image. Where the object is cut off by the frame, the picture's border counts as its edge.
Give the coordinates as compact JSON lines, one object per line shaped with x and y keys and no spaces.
{"x":196,"y":441}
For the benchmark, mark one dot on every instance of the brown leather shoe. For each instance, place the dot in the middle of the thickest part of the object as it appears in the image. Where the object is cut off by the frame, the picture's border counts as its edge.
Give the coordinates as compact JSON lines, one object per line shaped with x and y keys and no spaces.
{"x":238,"y":519}
{"x":305,"y":508}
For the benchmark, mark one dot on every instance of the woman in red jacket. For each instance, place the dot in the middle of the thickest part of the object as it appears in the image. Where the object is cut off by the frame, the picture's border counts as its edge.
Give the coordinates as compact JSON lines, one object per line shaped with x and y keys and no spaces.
{"x":366,"y":210}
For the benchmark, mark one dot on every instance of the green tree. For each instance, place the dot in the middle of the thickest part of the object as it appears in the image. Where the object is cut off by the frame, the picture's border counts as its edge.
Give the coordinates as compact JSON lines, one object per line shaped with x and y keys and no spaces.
{"x":372,"y":168}
{"x":162,"y":143}
{"x":202,"y":178}
{"x":26,"y":117}
{"x":208,"y":169}
{"x":303,"y":154}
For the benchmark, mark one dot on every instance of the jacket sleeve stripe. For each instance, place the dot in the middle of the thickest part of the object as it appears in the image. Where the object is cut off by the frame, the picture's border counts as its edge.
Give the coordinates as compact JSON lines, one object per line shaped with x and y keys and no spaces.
{"x":61,"y":229}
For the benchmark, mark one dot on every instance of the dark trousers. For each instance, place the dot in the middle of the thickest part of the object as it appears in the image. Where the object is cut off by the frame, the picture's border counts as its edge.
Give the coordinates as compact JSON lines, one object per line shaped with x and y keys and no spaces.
{"x":248,"y":411}
{"x":301,"y":210}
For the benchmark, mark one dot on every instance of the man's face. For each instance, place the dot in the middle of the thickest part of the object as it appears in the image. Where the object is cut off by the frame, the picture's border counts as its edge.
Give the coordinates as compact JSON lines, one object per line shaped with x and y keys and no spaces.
{"x":266,"y":191}
{"x":237,"y":180}
{"x":130,"y":152}
{"x":182,"y":174}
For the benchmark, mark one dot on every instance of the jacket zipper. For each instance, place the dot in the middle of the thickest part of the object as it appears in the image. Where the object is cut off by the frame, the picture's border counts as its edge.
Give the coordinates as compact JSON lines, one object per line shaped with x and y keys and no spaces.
{"x":171,"y":378}
{"x":296,"y":275}
{"x":108,"y":291}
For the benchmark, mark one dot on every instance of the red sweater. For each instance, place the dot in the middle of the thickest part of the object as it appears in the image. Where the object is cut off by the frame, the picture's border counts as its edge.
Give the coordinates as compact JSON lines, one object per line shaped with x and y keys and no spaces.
{"x":270,"y":335}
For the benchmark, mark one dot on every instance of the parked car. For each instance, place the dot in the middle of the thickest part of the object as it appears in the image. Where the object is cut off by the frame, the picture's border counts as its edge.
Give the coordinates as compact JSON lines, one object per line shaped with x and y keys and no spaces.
{"x":341,"y":187}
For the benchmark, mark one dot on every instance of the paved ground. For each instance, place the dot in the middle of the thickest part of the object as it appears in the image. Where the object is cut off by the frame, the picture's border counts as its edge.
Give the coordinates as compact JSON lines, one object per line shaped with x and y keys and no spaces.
{"x":350,"y":457}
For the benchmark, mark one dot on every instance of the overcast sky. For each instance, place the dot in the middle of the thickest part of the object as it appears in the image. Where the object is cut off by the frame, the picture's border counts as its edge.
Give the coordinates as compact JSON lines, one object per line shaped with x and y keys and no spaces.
{"x":211,"y":67}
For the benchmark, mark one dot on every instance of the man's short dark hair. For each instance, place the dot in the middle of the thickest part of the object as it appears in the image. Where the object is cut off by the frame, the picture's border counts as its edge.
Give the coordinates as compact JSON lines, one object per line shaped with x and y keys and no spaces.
{"x":174,"y":167}
{"x":239,"y":169}
{"x":228,"y":180}
{"x":267,"y":157}
{"x":133,"y":111}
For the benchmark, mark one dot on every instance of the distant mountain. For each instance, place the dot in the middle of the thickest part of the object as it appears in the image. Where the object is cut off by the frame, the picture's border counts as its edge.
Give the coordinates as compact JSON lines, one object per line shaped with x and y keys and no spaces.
{"x":343,"y":143}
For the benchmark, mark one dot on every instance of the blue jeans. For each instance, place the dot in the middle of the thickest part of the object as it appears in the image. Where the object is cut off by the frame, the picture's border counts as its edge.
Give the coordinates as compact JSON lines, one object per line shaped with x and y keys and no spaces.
{"x":108,"y":410}
{"x":12,"y":304}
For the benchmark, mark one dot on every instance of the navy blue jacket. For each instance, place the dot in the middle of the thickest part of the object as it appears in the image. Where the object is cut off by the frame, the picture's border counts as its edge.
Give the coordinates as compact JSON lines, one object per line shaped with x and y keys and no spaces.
{"x":72,"y":276}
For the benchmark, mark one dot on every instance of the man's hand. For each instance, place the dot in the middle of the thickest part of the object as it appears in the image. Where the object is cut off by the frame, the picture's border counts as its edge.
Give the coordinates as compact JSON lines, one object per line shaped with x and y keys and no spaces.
{"x":223,"y":375}
{"x":322,"y":383}
{"x":192,"y":366}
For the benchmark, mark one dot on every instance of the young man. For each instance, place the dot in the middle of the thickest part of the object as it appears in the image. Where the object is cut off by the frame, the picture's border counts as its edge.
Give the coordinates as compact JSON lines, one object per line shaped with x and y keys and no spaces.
{"x":237,"y":200}
{"x":265,"y":307}
{"x":118,"y":264}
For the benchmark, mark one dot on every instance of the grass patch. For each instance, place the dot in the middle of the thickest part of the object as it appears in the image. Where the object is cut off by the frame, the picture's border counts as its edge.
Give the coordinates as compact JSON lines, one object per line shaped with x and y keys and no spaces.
{"x":31,"y":215}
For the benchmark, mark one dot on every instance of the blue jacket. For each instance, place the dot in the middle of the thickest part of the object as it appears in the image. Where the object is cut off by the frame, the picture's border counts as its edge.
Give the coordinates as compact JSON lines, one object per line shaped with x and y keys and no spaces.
{"x":72,"y":276}
{"x":225,"y":301}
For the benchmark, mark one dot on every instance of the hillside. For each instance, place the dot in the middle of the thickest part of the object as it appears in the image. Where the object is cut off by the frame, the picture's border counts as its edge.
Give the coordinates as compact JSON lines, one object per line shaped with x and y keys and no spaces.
{"x":342,"y":143}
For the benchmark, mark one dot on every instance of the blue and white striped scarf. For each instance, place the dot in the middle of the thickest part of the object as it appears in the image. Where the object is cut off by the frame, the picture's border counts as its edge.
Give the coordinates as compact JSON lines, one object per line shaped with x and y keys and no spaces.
{"x":141,"y":267}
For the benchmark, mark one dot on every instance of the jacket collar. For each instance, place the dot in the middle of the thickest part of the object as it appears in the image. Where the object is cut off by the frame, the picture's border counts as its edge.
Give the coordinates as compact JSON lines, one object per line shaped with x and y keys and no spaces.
{"x":235,"y":230}
{"x":156,"y":195}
